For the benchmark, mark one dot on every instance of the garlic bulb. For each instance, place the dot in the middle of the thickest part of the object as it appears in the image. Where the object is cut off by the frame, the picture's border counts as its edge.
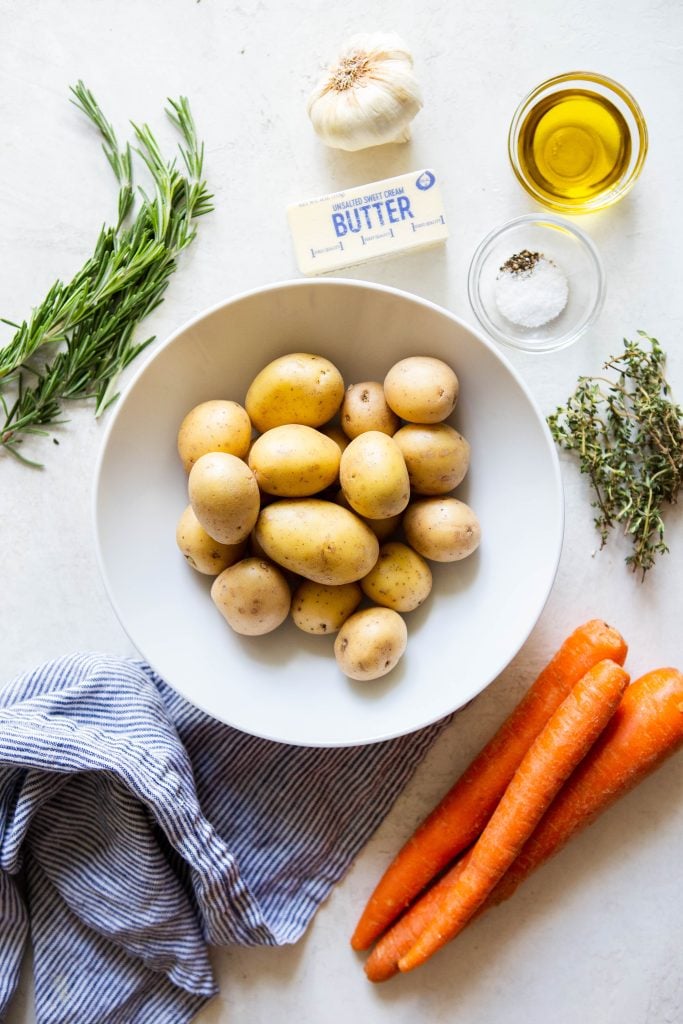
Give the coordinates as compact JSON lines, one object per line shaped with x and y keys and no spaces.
{"x":369,"y":96}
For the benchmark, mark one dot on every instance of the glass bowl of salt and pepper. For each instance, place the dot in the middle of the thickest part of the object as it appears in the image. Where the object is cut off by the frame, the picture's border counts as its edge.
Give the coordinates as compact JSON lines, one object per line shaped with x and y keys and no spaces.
{"x":536,"y":283}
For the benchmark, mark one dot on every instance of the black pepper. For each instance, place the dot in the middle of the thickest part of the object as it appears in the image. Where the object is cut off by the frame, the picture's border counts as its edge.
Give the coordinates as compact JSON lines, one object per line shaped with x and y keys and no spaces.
{"x":522,"y":261}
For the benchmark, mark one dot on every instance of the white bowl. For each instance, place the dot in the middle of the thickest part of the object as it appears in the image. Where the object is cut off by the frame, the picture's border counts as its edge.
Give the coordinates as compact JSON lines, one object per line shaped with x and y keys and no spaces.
{"x":286,"y":686}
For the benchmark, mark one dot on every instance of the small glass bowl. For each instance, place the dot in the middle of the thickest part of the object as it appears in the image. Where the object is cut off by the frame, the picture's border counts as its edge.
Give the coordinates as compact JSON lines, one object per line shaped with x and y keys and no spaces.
{"x":575,"y":255}
{"x":626,"y":105}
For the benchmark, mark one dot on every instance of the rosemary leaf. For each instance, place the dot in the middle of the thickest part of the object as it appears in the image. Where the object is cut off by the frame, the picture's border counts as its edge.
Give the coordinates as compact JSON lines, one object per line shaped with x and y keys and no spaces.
{"x":628,"y":436}
{"x":80,"y":338}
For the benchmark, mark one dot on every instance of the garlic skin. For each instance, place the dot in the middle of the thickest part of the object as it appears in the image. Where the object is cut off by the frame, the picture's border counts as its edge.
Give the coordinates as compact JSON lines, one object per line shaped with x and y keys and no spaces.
{"x":369,"y":96}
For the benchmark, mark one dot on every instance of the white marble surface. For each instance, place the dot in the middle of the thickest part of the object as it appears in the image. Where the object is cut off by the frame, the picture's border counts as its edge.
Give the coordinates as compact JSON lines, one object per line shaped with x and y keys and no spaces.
{"x":595,"y":936}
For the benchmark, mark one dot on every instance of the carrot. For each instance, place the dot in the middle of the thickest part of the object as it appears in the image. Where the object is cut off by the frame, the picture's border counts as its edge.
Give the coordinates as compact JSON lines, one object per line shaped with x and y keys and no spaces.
{"x":647,"y":727}
{"x":564,"y":741}
{"x":395,"y":943}
{"x":644,"y":731}
{"x":462,"y":813}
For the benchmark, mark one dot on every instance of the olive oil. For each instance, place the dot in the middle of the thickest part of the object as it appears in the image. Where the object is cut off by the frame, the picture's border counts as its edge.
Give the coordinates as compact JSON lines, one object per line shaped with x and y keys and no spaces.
{"x":574,"y":145}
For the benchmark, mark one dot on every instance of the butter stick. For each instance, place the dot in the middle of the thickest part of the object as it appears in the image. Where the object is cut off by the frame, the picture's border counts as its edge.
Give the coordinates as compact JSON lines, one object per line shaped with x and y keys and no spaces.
{"x":369,"y":222}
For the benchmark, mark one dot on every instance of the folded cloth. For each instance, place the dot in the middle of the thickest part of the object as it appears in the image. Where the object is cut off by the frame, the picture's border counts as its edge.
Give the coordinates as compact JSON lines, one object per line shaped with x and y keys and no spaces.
{"x":135,"y":829}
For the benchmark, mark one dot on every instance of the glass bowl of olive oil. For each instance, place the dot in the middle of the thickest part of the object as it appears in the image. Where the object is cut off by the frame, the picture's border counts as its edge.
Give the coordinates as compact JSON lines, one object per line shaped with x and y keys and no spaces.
{"x":578,"y":142}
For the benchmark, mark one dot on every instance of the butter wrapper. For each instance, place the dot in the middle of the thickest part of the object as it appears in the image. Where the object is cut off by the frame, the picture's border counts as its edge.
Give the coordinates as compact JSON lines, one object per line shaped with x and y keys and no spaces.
{"x":368,"y":222}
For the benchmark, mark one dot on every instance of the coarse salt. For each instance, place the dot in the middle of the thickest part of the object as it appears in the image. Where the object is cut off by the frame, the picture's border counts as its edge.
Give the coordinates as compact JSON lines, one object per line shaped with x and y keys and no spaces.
{"x":530,"y":290}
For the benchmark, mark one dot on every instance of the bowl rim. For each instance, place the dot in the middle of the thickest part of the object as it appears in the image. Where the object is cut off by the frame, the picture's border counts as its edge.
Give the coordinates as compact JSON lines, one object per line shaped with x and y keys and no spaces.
{"x":474,"y":277}
{"x":558,"y":489}
{"x":640,"y":140}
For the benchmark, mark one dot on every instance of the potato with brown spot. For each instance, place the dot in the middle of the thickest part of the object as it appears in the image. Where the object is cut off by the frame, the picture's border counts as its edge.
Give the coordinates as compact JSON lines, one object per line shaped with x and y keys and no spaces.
{"x":400,"y":578}
{"x":252,"y":596}
{"x":371,"y":643}
{"x":365,"y":408}
{"x":421,"y":389}
{"x":321,"y":609}
{"x":214,"y":426}
{"x":436,"y":455}
{"x":201,"y":551}
{"x":442,"y":529}
{"x":224,"y":496}
{"x":296,"y":388}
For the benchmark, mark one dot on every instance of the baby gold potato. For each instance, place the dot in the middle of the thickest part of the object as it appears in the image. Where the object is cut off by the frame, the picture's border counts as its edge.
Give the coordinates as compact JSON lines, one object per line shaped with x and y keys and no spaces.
{"x":294,"y":461}
{"x":201,"y":551}
{"x":296,"y":388}
{"x":442,"y":529}
{"x":252,"y":596}
{"x":421,"y":389}
{"x":224,"y":496}
{"x":321,"y":609}
{"x":317,"y":539}
{"x":436,"y":455}
{"x":400,"y":579}
{"x":215,"y":426}
{"x":365,"y":408}
{"x":370,"y":643}
{"x":374,"y":477}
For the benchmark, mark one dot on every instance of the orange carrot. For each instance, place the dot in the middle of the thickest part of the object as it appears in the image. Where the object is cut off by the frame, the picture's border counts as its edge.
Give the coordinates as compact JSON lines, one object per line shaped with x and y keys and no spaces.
{"x":404,"y":933}
{"x":644,"y":731}
{"x":460,"y":816}
{"x":564,"y":741}
{"x":647,"y":727}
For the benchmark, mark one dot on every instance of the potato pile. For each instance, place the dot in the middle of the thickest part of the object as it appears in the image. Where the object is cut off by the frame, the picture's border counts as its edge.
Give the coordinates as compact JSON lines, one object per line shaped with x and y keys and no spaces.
{"x":311,"y":498}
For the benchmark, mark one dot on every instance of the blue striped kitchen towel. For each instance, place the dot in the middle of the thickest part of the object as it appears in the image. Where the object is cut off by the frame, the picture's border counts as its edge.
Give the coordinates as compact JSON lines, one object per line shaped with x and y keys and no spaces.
{"x":134,"y":830}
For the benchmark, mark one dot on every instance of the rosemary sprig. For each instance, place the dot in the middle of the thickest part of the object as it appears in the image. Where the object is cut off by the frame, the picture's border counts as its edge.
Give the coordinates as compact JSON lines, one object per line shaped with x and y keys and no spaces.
{"x":628,"y":435}
{"x":84,"y":330}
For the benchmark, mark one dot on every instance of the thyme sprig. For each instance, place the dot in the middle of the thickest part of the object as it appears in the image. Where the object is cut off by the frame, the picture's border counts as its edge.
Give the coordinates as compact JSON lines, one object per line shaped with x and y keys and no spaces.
{"x":79,"y":339}
{"x":628,"y":435}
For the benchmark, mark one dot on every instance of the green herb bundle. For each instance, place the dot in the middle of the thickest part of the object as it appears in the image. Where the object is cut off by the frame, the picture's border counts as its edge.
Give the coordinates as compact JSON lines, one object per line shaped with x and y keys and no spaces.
{"x":628,"y":435}
{"x":79,"y":339}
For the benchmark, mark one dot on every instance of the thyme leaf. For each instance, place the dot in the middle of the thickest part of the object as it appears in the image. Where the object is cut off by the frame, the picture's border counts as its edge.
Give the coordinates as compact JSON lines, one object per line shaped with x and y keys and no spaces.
{"x":77,"y":341}
{"x":627,"y":433}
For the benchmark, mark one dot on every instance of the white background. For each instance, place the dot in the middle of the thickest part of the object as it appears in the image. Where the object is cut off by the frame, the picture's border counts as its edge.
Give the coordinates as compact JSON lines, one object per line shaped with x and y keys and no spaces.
{"x":595,"y":936}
